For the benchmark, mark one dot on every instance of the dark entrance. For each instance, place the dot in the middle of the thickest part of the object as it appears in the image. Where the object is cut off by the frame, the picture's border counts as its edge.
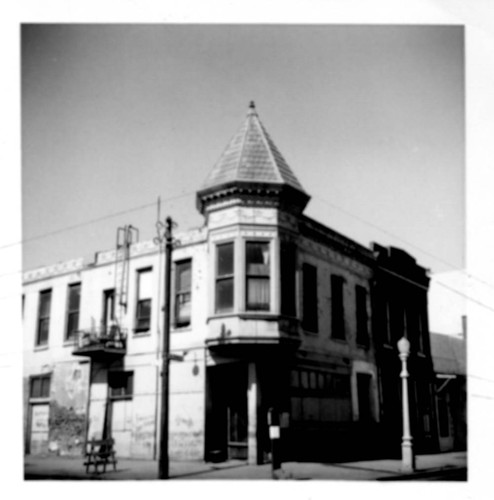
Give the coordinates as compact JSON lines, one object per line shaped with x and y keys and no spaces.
{"x":364,"y":397}
{"x":226,"y":418}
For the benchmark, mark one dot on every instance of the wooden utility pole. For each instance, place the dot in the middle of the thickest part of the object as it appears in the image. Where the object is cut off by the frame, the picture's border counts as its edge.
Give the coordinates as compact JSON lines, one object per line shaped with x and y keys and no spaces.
{"x":165,"y":372}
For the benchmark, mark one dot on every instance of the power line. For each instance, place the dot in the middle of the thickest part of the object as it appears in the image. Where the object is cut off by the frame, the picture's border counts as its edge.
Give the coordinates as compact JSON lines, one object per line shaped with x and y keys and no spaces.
{"x":92,"y":221}
{"x":389,"y":233}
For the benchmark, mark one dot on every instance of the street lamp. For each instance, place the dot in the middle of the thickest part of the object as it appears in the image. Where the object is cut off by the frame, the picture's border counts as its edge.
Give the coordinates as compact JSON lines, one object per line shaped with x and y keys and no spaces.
{"x":407,"y":457}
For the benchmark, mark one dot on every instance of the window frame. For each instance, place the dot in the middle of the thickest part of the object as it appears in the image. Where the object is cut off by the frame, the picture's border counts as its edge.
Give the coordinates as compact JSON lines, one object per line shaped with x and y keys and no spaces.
{"x":338,"y":330}
{"x":288,"y":278}
{"x":43,"y":377}
{"x":178,"y":322}
{"x":224,"y":278}
{"x":362,"y":313}
{"x":108,"y":315}
{"x":250,"y":276}
{"x":126,"y":389}
{"x":308,"y":311}
{"x":140,"y":302}
{"x":43,"y":318}
{"x":70,"y":336}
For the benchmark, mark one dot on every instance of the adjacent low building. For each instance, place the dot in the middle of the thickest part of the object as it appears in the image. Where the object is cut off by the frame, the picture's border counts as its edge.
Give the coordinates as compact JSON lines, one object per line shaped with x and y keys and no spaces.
{"x":272,"y":313}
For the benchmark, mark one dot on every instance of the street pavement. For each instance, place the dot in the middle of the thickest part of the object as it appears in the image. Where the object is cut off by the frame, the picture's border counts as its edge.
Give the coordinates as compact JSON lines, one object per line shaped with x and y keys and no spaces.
{"x":438,"y":467}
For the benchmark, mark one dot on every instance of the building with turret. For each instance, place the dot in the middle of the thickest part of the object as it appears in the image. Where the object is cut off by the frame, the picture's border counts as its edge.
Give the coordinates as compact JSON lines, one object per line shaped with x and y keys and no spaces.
{"x":272,"y":313}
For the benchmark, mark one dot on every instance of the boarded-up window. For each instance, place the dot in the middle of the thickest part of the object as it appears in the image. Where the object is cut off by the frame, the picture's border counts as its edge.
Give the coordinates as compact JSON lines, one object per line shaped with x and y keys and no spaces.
{"x":337,"y":308}
{"x":310,"y":316}
{"x":288,"y":278}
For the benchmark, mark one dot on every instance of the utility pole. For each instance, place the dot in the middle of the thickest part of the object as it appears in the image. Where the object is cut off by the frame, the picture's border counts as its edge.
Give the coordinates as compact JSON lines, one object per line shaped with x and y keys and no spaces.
{"x":165,"y":372}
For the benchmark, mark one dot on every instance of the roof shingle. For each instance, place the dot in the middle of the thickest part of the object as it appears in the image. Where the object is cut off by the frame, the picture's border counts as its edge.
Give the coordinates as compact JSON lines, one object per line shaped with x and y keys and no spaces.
{"x":251,"y":156}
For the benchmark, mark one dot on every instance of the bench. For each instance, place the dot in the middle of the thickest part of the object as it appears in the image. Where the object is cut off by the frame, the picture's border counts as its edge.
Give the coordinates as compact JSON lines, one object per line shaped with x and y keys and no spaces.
{"x":100,"y":452}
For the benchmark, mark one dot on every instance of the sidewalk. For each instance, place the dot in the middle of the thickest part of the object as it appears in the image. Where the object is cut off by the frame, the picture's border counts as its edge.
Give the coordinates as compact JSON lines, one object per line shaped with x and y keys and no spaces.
{"x":427,"y":467}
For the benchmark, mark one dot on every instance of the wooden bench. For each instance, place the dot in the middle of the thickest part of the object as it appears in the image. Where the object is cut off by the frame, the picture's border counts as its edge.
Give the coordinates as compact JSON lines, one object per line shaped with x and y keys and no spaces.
{"x":100,"y":452}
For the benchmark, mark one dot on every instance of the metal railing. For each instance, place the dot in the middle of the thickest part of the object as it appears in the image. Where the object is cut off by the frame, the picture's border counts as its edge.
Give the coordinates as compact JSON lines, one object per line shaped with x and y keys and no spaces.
{"x":112,"y":336}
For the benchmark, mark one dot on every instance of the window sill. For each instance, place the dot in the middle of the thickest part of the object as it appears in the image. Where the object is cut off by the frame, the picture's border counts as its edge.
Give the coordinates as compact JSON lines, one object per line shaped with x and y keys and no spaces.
{"x":69,"y":343}
{"x":39,"y":401}
{"x":121,"y":398}
{"x":38,"y":348}
{"x":180,"y":329}
{"x":142,"y":333}
{"x":339,"y":341}
{"x":313,"y":333}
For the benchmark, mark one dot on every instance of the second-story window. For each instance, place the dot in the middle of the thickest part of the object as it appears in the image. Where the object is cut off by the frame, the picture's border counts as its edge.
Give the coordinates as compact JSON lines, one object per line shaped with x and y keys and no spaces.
{"x":337,"y":308}
{"x":309,"y":308}
{"x":43,"y":318}
{"x":73,"y":305}
{"x":362,"y":319}
{"x":288,"y":262}
{"x":143,"y":306}
{"x":108,"y":308}
{"x":257,"y":275}
{"x":183,"y":292}
{"x":224,"y":278}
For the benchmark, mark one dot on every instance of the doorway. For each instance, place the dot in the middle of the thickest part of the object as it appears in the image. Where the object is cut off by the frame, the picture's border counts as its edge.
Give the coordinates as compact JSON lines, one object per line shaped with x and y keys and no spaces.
{"x":226,"y":419}
{"x":364,"y":397}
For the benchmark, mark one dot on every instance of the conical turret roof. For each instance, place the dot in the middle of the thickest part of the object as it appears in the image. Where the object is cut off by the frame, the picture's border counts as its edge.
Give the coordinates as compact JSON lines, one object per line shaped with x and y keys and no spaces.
{"x":251,"y":156}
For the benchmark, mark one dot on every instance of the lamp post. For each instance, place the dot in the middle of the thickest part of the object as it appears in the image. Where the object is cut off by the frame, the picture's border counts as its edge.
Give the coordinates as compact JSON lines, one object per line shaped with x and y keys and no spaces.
{"x":407,"y":457}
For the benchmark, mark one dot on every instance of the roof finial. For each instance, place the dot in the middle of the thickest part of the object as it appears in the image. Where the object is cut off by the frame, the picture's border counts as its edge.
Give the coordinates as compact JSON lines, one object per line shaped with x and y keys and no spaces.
{"x":252,"y":109}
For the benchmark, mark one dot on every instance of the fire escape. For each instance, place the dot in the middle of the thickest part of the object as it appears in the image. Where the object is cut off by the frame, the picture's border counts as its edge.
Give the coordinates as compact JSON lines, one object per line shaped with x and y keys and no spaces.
{"x":107,"y":342}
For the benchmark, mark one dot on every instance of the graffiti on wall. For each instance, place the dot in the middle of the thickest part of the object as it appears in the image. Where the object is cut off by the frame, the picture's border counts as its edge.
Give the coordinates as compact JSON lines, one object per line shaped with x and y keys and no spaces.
{"x":186,"y":445}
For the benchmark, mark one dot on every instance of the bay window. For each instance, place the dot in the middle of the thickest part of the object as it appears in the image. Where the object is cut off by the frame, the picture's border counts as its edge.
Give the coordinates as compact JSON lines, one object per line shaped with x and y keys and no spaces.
{"x":257,"y":276}
{"x":224,"y":277}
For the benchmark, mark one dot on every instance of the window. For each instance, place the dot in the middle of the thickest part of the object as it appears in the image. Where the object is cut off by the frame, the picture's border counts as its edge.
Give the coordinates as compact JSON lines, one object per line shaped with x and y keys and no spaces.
{"x":144,"y":294}
{"x":362,"y":320}
{"x":43,"y":317}
{"x":420,"y":332}
{"x":183,"y":290}
{"x":257,"y":275}
{"x":288,"y":278}
{"x":443,"y":414}
{"x":310,"y":319}
{"x":73,"y":305}
{"x":108,"y":308}
{"x":121,"y":384}
{"x":364,"y":396}
{"x":337,"y":309}
{"x":40,"y":386}
{"x":224,"y":277}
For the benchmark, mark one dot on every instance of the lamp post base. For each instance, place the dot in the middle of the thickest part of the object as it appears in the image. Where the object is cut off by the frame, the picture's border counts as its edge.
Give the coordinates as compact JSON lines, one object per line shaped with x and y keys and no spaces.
{"x":407,"y":457}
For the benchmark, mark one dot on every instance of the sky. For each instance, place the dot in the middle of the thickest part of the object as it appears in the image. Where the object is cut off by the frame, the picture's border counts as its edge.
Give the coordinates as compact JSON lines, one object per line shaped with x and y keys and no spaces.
{"x":369,"y":118}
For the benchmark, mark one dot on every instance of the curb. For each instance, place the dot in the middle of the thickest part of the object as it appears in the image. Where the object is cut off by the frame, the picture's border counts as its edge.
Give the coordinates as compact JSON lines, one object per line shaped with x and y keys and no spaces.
{"x":429,"y":473}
